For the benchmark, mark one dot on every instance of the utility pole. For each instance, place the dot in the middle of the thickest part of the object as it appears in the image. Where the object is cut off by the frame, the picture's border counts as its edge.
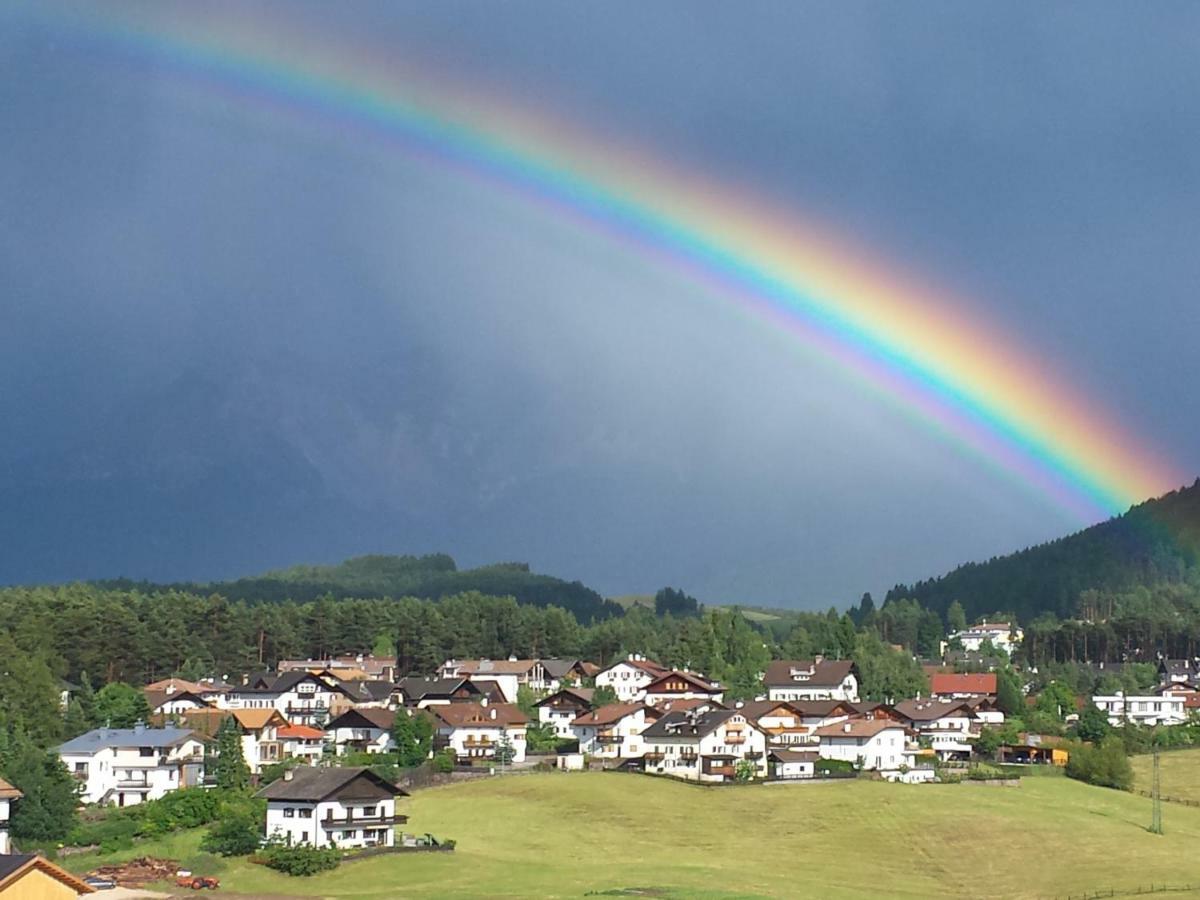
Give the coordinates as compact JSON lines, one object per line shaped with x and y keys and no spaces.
{"x":1156,"y":826}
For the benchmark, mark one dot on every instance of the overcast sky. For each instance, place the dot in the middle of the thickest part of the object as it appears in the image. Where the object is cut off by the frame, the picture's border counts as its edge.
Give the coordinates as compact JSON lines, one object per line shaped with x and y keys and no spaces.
{"x":231,"y":343}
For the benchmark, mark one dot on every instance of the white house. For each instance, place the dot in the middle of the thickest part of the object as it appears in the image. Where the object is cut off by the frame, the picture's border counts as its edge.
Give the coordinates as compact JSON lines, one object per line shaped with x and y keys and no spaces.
{"x":174,"y":703}
{"x":613,"y":731}
{"x":1142,"y":710}
{"x":8,"y":794}
{"x":259,"y":730}
{"x":868,"y":743}
{"x":788,"y":765}
{"x":562,"y":707}
{"x":126,"y":766}
{"x":418,"y":693}
{"x":366,"y":730}
{"x":302,"y":742}
{"x":630,"y":677}
{"x":475,"y":730}
{"x":950,"y":726}
{"x":704,"y":746}
{"x":676,"y":685}
{"x":812,"y":679}
{"x":1003,"y":635}
{"x":303,"y":698}
{"x":332,"y":807}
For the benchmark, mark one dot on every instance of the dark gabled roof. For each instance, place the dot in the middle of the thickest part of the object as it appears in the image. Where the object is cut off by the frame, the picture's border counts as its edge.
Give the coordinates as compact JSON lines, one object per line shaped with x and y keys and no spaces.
{"x":103,"y":738}
{"x":315,"y":783}
{"x":929,"y":710}
{"x":825,"y":673}
{"x":476,"y":715}
{"x":698,"y":683}
{"x":557,"y":668}
{"x":369,"y":691}
{"x":267,"y":683}
{"x":756,"y":709}
{"x":608,"y":714}
{"x":787,"y":756}
{"x":583,"y":695}
{"x":373,"y":717}
{"x":821,"y":708}
{"x":689,"y":724}
{"x":417,"y":688}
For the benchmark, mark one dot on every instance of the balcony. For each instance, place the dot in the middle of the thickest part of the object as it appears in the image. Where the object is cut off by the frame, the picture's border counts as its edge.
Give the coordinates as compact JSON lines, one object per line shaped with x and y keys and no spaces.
{"x":610,"y":738}
{"x":479,"y":743}
{"x":727,"y":771}
{"x":133,"y":784}
{"x":332,"y":823}
{"x":735,"y":738}
{"x":688,"y":759}
{"x":653,"y":757}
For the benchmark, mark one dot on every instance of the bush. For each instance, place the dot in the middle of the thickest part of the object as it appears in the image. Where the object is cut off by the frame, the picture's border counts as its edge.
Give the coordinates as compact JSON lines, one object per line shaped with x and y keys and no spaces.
{"x":445,"y":761}
{"x":235,"y":835}
{"x":837,"y":766}
{"x":1105,"y":765}
{"x":300,"y":859}
{"x":983,"y":772}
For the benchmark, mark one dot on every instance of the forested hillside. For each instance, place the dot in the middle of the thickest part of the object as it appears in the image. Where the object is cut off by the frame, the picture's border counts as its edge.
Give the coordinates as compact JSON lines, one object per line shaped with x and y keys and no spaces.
{"x":426,"y":577}
{"x":1155,"y":543}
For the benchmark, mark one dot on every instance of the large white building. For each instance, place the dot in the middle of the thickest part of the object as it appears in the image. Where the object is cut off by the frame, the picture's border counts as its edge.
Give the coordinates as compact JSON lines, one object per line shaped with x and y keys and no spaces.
{"x":1003,"y":635}
{"x":1151,"y":709}
{"x":127,"y":766}
{"x":8,"y":794}
{"x":704,"y":745}
{"x":630,"y":677}
{"x":868,"y":743}
{"x":613,"y":731}
{"x":476,"y":730}
{"x":332,"y":807}
{"x":812,"y":679}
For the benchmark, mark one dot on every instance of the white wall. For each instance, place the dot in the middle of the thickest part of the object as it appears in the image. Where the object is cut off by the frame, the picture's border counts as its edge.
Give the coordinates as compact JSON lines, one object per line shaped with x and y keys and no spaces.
{"x":305,"y":825}
{"x":884,"y":750}
{"x":5,"y":844}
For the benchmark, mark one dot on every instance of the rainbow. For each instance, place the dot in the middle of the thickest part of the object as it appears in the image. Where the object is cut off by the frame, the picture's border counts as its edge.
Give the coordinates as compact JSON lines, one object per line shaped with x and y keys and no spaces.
{"x":903,"y":339}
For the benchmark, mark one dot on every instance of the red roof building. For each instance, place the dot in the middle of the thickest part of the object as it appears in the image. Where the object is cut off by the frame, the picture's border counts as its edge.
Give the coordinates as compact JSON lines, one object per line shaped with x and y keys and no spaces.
{"x":959,"y":686}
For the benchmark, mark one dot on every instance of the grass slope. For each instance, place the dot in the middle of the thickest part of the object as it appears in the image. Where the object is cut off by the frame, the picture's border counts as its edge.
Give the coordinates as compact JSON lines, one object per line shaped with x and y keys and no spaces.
{"x":554,"y":835}
{"x":1179,"y":773}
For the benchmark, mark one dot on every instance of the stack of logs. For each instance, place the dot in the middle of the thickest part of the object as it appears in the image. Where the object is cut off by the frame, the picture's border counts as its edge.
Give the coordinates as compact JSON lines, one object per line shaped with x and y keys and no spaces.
{"x":138,"y":872}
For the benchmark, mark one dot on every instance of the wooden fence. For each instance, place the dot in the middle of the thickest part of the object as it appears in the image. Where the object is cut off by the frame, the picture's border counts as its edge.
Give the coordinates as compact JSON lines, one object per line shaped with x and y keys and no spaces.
{"x":1139,"y":891}
{"x":1165,"y":799}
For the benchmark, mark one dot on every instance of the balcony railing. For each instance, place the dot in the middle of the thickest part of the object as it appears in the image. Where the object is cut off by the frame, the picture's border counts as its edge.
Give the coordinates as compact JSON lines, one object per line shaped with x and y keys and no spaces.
{"x":721,"y":770}
{"x":653,"y":757}
{"x":332,"y":822}
{"x":735,"y":739}
{"x":133,"y":784}
{"x":610,"y":739}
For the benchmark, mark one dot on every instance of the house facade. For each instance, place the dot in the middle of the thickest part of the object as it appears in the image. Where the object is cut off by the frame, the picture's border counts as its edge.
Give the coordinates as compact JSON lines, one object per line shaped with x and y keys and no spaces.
{"x":419,"y":693}
{"x":127,"y":766}
{"x":789,"y":765}
{"x":1151,"y":709}
{"x":363,"y":730}
{"x":868,"y":743}
{"x":8,"y":794}
{"x":704,"y":746}
{"x":259,"y":728}
{"x":613,"y":731}
{"x":630,"y":677}
{"x":1003,"y":636}
{"x":562,"y":707}
{"x":948,"y":726}
{"x":475,"y":730}
{"x":332,"y":807}
{"x":302,"y":697}
{"x":676,"y":685}
{"x":812,"y":679}
{"x":302,"y":742}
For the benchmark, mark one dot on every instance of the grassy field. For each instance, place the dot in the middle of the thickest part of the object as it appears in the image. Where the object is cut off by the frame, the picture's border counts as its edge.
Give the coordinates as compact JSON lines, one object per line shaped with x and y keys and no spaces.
{"x":1179,"y":773}
{"x":565,"y":835}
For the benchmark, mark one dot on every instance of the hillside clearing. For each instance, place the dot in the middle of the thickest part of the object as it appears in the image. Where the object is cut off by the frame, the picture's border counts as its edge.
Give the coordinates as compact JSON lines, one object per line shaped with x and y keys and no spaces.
{"x":1179,"y":773}
{"x":555,"y":835}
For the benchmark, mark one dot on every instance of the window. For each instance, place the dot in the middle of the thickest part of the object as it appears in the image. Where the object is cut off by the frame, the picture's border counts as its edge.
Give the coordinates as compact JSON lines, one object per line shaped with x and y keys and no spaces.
{"x":289,"y":813}
{"x":352,"y":833}
{"x":145,"y":751}
{"x":369,"y":812}
{"x":306,"y":813}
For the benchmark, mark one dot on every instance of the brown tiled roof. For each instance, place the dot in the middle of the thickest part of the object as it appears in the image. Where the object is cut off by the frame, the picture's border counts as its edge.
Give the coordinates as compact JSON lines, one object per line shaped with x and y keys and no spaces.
{"x":795,"y":755}
{"x":300,"y":732}
{"x":691,"y":678}
{"x":208,"y":720}
{"x":177,"y":684}
{"x":155,"y":699}
{"x":929,"y":710}
{"x":583,"y":694}
{"x":821,"y":708}
{"x":955,"y":683}
{"x":756,"y":709}
{"x":649,"y":666}
{"x":608,"y":714}
{"x":865,"y":728}
{"x":828,"y":673}
{"x":8,"y":792}
{"x":669,"y":706}
{"x":476,"y":715}
{"x":13,"y":867}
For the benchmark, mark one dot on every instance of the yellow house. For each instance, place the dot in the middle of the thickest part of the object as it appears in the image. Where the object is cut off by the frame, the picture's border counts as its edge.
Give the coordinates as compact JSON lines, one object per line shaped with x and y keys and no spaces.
{"x":24,"y":876}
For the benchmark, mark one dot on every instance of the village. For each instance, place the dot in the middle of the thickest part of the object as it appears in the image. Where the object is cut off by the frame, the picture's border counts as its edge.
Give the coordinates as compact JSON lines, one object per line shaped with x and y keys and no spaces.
{"x":303,"y":722}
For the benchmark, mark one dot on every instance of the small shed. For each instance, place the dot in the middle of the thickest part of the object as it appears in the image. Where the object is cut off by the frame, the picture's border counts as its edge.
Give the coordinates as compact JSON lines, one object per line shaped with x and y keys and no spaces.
{"x":790,"y":764}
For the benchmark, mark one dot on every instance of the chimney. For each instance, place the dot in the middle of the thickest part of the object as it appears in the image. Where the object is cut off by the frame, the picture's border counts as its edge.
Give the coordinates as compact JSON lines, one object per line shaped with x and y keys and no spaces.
{"x":288,"y":774}
{"x":483,"y":701}
{"x":139,"y":727}
{"x":846,"y":727}
{"x":493,"y":711}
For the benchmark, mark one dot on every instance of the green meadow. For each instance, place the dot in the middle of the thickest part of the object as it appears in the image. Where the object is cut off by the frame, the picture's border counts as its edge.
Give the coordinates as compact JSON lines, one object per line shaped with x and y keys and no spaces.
{"x":580,"y":834}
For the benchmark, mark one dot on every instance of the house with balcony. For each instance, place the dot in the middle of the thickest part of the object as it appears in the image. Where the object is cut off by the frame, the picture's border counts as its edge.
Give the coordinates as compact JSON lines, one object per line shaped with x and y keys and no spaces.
{"x":363,"y":730}
{"x":302,"y":697}
{"x":561,"y":708}
{"x":630,"y":677}
{"x":475,"y":730}
{"x":812,"y":679}
{"x":676,"y":685}
{"x":781,"y":722}
{"x":174,"y":703}
{"x":261,"y":745}
{"x":302,"y":742}
{"x":704,"y":745}
{"x":347,"y":808}
{"x":8,"y":794}
{"x":1151,"y":709}
{"x":868,"y":743}
{"x":127,"y":766}
{"x":507,"y":675}
{"x":613,"y":731}
{"x":949,"y":727}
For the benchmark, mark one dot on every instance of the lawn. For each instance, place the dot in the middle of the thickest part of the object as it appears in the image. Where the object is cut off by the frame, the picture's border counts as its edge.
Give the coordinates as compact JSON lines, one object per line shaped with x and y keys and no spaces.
{"x":1179,"y":773}
{"x":564,"y":835}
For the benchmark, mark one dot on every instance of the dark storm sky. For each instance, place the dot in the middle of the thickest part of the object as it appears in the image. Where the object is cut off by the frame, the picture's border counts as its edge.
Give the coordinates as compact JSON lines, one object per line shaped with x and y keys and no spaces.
{"x":229,"y":343}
